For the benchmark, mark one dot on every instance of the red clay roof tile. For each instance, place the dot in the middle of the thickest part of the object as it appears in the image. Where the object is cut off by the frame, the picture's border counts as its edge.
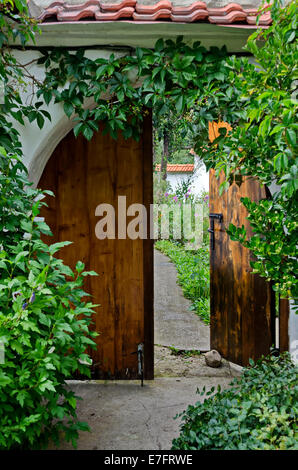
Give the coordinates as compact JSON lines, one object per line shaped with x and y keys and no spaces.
{"x":163,"y":13}
{"x":231,"y":17}
{"x":150,"y":9}
{"x":228,"y":15}
{"x":223,"y":11}
{"x":77,"y":14}
{"x":264,"y":20}
{"x":115,"y":15}
{"x":186,"y":10}
{"x":117,"y":6}
{"x":191,"y":17}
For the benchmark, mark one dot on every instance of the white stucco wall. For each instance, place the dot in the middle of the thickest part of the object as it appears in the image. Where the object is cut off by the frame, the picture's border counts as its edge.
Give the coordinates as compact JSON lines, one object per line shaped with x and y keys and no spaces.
{"x":174,"y":179}
{"x":200,"y":182}
{"x":201,"y":177}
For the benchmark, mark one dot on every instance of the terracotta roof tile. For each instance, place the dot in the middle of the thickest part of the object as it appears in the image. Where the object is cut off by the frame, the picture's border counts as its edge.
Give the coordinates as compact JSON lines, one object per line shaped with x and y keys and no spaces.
{"x":163,"y":10}
{"x":223,"y":11}
{"x":126,"y":12}
{"x":264,"y":20}
{"x":186,"y":10}
{"x":150,"y":9}
{"x":231,"y":17}
{"x":76,"y":14}
{"x":178,"y":168}
{"x":191,"y":17}
{"x":163,"y":13}
{"x":117,"y":6}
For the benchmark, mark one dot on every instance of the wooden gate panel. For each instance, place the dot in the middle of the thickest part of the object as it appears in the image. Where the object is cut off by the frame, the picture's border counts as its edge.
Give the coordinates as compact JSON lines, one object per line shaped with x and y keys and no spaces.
{"x":83,"y":175}
{"x":241,"y":302}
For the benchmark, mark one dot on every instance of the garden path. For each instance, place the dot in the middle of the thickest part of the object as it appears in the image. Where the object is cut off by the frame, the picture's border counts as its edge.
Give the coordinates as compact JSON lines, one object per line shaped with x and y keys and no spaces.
{"x":175,"y":324}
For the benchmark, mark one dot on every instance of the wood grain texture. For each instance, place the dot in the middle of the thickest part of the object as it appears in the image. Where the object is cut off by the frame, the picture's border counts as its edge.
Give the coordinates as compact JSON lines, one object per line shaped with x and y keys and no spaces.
{"x":83,"y":175}
{"x":241,"y":303}
{"x":284,"y":311}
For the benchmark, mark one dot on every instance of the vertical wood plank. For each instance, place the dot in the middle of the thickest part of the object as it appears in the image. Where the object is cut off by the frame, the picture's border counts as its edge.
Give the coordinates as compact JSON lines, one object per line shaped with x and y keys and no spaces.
{"x":219,"y":272}
{"x":129,"y":256}
{"x":101,"y":175}
{"x":284,"y":310}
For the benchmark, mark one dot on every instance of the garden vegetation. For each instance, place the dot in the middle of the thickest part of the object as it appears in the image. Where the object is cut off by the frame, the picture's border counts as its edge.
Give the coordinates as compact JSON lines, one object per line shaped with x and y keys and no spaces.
{"x":41,"y":300}
{"x":257,"y":412}
{"x":44,"y":316}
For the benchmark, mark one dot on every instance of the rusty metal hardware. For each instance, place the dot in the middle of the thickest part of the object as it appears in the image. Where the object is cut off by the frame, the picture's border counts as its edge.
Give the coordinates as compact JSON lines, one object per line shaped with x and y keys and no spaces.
{"x":140,"y":353}
{"x":212,"y":217}
{"x":141,"y":362}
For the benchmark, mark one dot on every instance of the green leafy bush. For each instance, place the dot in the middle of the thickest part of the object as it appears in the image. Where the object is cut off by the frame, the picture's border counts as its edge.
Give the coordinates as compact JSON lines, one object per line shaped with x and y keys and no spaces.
{"x":44,"y":321}
{"x":259,"y":411}
{"x":193,"y":274}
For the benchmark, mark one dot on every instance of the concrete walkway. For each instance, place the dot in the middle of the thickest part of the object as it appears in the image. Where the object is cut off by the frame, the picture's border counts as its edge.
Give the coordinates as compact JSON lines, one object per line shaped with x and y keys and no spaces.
{"x":123,"y":415}
{"x":175,"y":324}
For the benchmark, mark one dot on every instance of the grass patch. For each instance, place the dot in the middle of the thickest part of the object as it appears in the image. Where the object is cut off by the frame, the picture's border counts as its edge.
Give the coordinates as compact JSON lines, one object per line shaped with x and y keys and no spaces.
{"x":193,"y":274}
{"x":184,"y":352}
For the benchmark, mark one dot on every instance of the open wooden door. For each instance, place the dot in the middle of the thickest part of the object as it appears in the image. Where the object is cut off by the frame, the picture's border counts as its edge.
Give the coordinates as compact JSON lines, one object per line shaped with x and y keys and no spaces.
{"x":83,"y":175}
{"x":242,"y":303}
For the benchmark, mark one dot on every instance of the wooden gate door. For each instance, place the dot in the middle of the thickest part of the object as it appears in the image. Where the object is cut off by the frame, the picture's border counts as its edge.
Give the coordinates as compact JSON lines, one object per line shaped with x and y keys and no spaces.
{"x":242,"y":303}
{"x":83,"y":175}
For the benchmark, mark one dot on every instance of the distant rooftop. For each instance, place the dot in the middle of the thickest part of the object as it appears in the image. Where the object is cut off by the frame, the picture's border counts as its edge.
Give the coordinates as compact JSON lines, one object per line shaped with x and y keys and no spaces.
{"x":178,"y":168}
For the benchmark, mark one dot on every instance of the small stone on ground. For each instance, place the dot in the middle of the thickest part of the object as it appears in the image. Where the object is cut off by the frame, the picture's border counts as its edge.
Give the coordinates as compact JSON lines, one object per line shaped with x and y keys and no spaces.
{"x":213,"y":358}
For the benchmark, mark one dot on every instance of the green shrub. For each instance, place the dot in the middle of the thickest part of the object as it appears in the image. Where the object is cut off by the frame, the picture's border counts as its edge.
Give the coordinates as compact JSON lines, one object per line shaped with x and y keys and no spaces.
{"x":44,"y":322}
{"x":193,"y":274}
{"x":259,"y":411}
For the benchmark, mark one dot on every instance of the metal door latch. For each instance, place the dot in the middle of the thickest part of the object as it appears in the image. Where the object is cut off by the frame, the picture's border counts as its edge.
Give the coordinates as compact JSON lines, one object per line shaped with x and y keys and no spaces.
{"x":140,"y":353}
{"x":212,"y":217}
{"x":141,"y":362}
